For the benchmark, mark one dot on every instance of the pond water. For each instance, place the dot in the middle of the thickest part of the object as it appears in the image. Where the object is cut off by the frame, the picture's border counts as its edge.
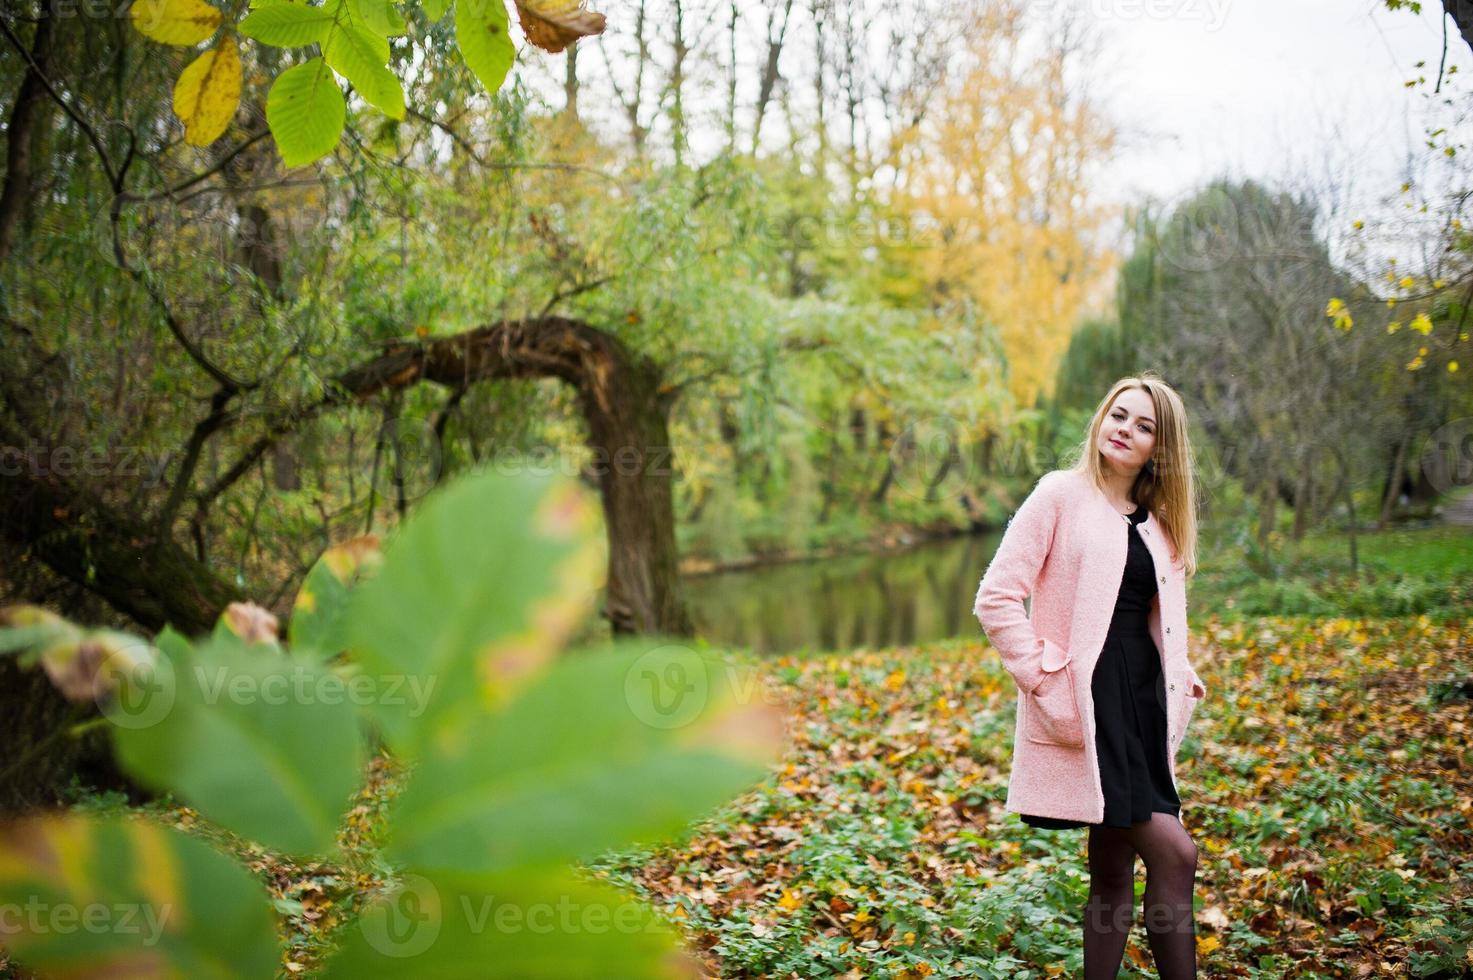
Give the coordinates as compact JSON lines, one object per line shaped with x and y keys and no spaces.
{"x":841,"y":603}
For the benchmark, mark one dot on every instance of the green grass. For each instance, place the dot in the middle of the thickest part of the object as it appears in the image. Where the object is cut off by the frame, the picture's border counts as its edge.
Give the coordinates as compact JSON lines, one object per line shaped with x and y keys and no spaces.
{"x":1400,"y":572}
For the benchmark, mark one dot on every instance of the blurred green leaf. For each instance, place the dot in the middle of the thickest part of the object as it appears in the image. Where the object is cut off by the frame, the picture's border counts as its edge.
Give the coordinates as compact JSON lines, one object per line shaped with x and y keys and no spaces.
{"x":478,"y":588}
{"x":103,"y":896}
{"x":625,"y":743}
{"x":317,"y":629}
{"x":262,"y":744}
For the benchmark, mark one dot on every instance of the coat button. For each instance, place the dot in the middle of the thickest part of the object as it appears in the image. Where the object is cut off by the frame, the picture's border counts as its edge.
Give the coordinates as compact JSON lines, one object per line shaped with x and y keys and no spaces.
{"x":1173,"y":687}
{"x":1163,"y":580}
{"x":1168,"y":629}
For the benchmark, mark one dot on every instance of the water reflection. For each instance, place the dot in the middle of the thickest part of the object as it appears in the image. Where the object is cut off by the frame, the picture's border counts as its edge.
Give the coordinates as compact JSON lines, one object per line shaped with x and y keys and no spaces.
{"x":871,"y":600}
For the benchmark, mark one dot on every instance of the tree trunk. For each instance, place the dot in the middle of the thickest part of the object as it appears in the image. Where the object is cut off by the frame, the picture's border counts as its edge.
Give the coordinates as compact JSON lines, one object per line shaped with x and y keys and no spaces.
{"x":29,"y":114}
{"x":1303,"y":502}
{"x":1394,"y":478}
{"x":570,"y":83}
{"x":1268,"y":499}
{"x":82,"y":539}
{"x":626,"y":408}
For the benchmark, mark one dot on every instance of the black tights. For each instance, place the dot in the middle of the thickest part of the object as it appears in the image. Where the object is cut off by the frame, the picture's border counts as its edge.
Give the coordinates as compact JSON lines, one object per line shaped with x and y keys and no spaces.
{"x":1171,"y":871}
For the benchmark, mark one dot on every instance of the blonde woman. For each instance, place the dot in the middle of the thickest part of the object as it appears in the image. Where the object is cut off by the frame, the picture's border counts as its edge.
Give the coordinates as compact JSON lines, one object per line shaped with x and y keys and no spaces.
{"x":1105,"y":689}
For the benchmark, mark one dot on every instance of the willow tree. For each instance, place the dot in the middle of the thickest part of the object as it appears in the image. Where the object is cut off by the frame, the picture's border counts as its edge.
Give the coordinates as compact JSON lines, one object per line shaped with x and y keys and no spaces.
{"x":258,"y":101}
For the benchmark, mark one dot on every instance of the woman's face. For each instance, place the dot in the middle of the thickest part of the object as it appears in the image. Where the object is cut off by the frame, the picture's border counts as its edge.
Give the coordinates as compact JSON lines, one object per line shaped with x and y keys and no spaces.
{"x":1128,"y":433}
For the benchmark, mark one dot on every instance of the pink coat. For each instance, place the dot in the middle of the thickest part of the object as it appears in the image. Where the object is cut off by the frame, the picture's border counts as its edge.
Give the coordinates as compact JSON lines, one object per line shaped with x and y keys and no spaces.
{"x":1066,"y":547}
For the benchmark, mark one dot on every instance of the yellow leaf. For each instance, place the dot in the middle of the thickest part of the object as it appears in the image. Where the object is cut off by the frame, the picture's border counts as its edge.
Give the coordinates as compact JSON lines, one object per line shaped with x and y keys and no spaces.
{"x":182,"y":22}
{"x":1393,"y":326}
{"x":1421,"y":324}
{"x":1452,"y":365}
{"x":1407,"y":282}
{"x":208,"y":93}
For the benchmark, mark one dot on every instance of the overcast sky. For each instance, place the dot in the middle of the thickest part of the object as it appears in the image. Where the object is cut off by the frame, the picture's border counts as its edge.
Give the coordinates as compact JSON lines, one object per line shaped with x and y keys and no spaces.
{"x":1261,"y":87}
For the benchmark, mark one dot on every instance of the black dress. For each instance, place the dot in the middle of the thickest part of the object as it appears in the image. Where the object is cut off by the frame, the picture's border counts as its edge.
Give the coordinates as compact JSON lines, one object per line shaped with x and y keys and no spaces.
{"x":1130,"y":704}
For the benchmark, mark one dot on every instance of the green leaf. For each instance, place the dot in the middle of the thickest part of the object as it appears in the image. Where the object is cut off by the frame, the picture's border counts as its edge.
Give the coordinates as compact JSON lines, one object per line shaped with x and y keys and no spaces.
{"x":434,"y":9}
{"x":378,"y":16}
{"x":262,"y":744}
{"x":14,"y":639}
{"x":318,"y":627}
{"x":620,"y":744}
{"x":481,"y":32}
{"x":127,"y":897}
{"x":551,"y":926}
{"x":360,"y":56}
{"x":287,"y":25}
{"x":306,"y":112}
{"x":480,"y":586}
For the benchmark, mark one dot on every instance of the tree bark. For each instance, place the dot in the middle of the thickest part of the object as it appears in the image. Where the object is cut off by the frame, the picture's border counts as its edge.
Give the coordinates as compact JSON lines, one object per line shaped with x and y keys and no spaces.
{"x":83,"y":539}
{"x":1394,"y":480}
{"x":26,"y":117}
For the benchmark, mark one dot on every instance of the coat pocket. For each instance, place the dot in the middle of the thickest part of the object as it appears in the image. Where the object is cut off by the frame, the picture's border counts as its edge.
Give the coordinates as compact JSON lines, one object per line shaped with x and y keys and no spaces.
{"x":1182,"y":686}
{"x":1051,"y":711}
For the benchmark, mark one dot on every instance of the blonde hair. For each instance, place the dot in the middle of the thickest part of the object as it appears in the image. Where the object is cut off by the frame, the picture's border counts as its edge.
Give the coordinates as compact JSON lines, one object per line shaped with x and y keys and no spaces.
{"x":1166,"y":487}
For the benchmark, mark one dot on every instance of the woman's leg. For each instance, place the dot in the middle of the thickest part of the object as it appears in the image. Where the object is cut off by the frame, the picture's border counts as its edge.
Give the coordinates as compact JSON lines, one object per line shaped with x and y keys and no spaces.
{"x":1111,"y":907}
{"x":1171,"y":872}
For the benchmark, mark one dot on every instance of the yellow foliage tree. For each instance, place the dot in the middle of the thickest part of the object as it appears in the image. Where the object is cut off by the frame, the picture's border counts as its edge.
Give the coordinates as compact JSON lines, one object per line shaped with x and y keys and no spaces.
{"x":998,"y":177}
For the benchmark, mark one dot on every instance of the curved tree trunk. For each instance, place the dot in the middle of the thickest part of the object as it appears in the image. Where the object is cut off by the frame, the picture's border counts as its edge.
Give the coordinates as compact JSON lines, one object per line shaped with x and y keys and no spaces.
{"x":627,"y":410}
{"x":151,"y":579}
